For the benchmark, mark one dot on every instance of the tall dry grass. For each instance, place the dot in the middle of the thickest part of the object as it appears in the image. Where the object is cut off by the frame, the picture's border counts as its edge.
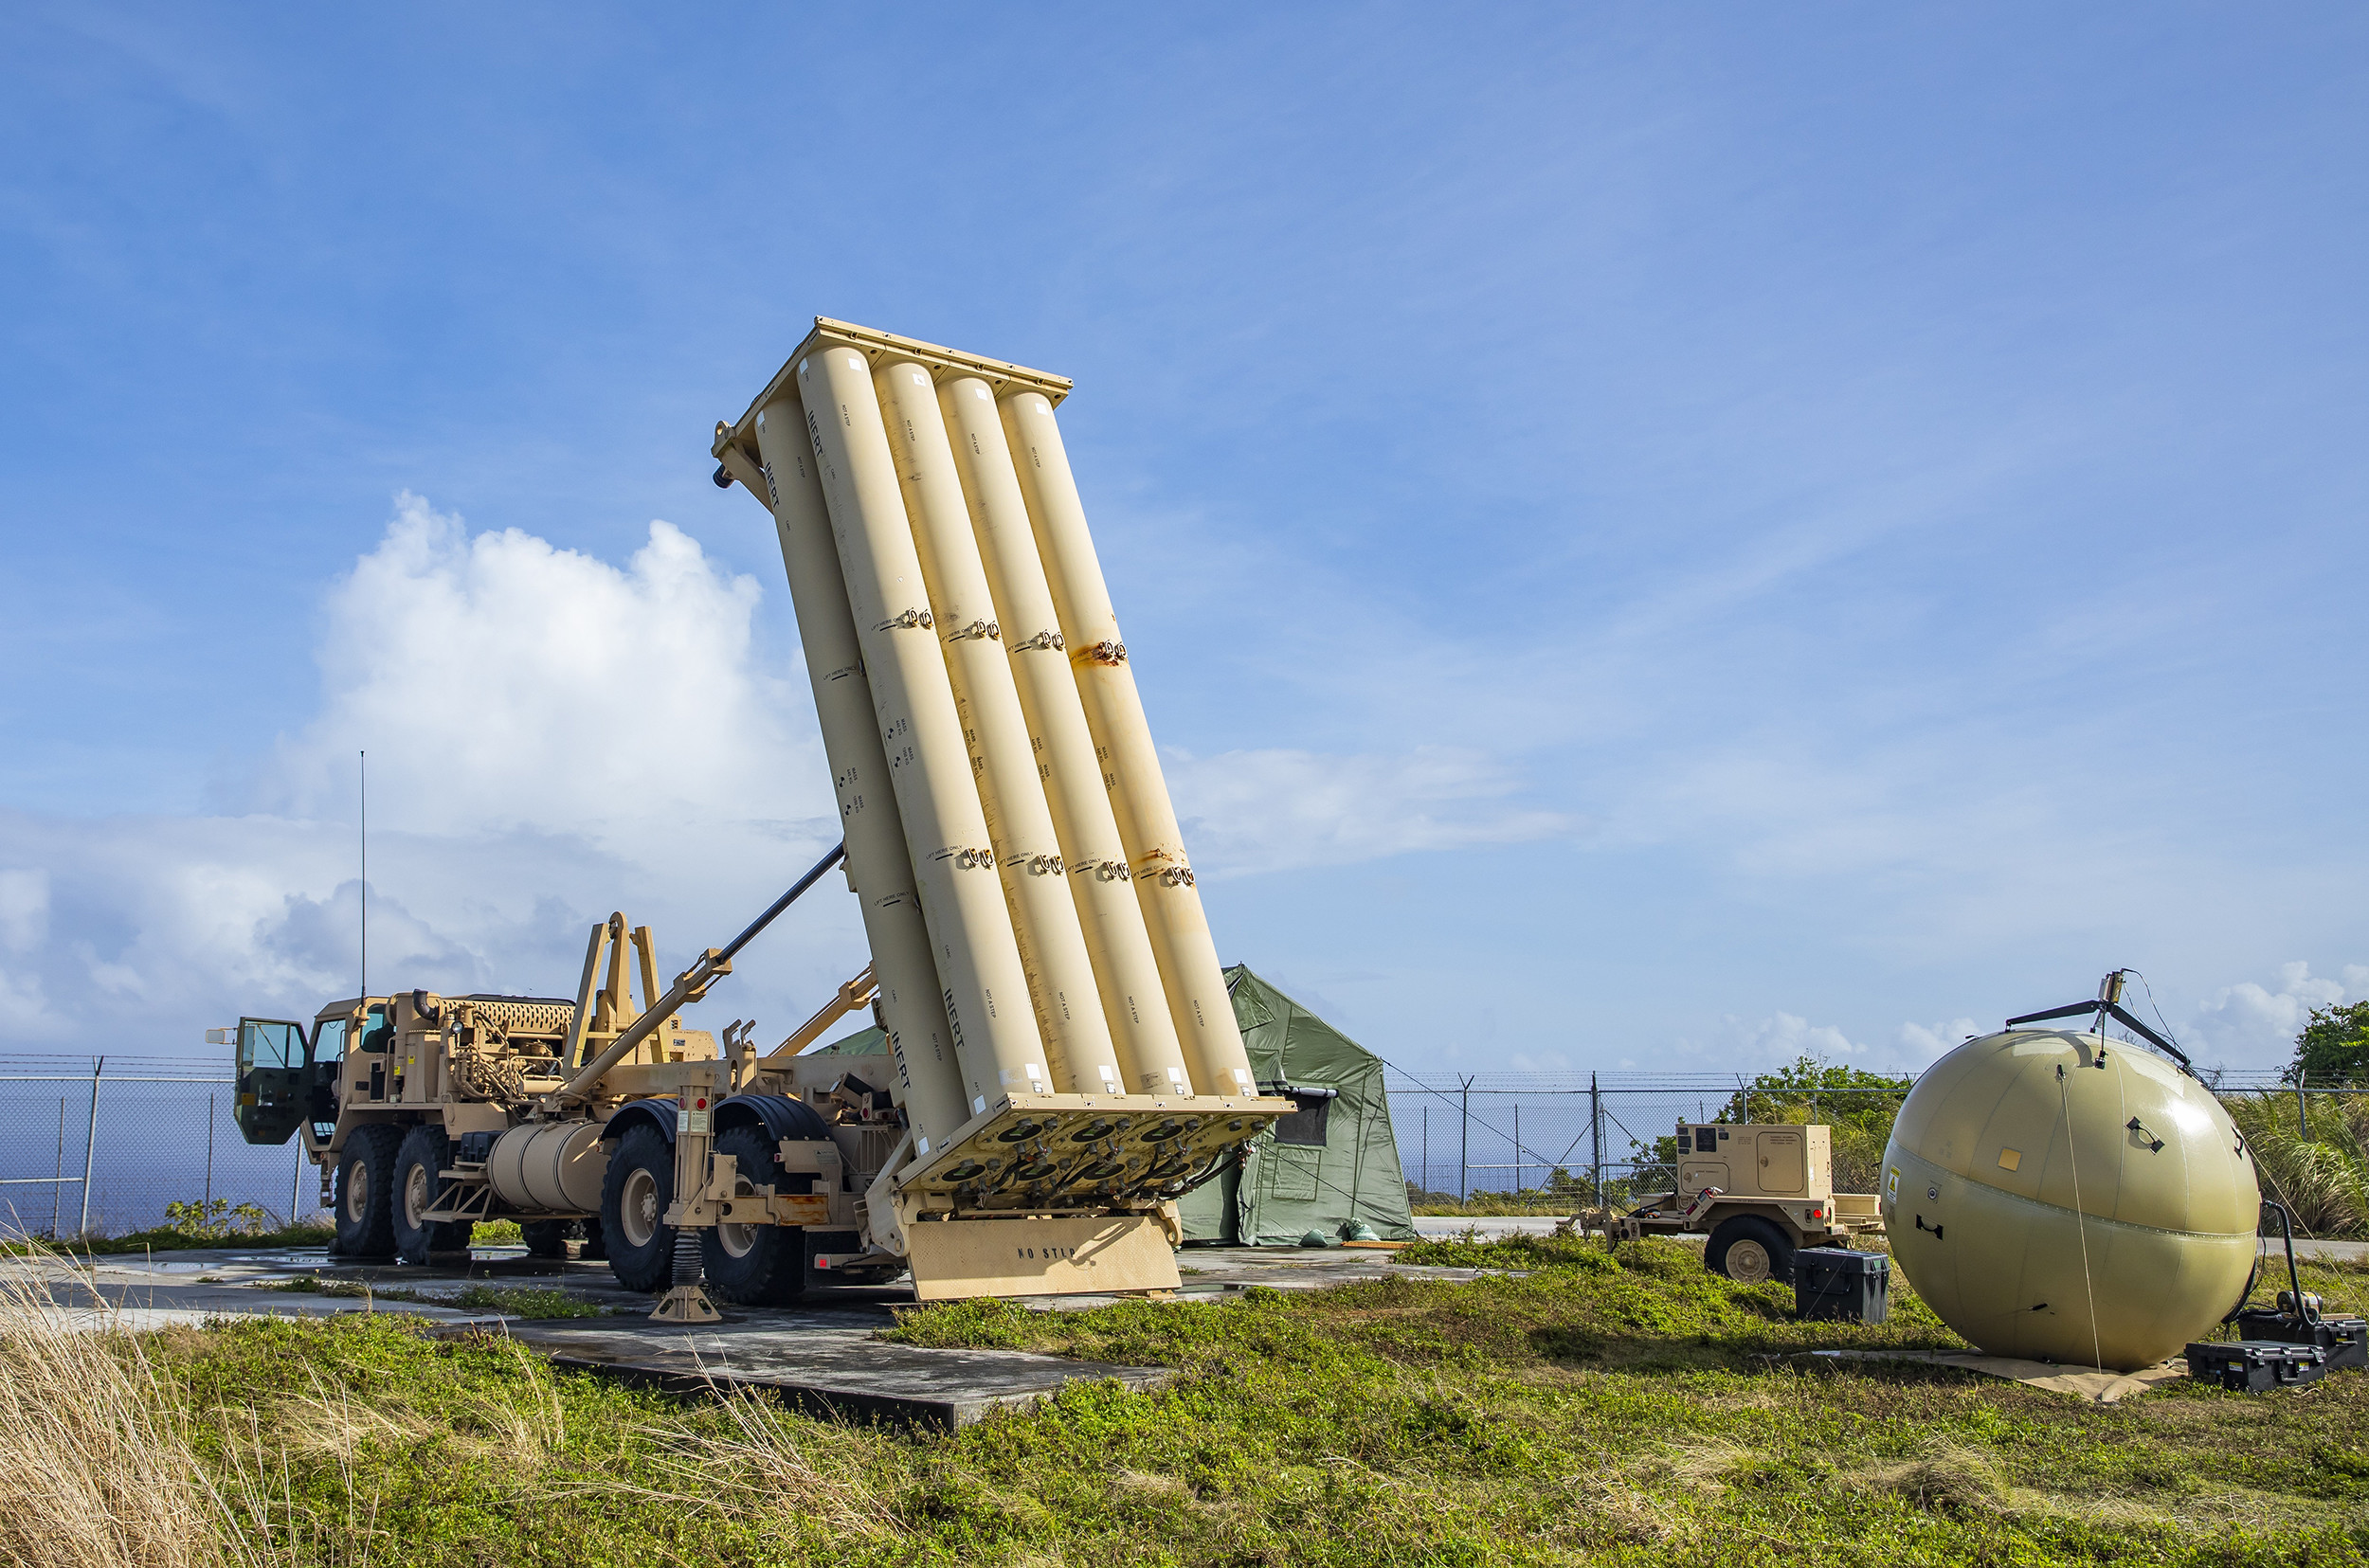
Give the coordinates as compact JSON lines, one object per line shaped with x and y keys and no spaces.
{"x":96,"y":1469}
{"x":2322,"y":1180}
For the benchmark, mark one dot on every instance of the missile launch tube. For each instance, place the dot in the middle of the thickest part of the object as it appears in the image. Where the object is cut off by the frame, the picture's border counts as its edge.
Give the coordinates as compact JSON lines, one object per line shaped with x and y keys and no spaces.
{"x":980,"y":977}
{"x":1028,"y":853}
{"x":1131,"y":764}
{"x":1134,"y":1001}
{"x":912,"y":1010}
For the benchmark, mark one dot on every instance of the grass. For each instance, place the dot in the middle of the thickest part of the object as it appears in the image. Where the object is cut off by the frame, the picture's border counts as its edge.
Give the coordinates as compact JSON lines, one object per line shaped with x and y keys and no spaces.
{"x":168,"y":1238}
{"x":1581,"y":1406}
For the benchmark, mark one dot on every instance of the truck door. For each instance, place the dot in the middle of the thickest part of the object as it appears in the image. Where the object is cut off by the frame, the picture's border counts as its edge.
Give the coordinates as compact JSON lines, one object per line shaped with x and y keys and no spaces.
{"x":272,"y":1092}
{"x":1782,"y":1169}
{"x":327,"y":1062}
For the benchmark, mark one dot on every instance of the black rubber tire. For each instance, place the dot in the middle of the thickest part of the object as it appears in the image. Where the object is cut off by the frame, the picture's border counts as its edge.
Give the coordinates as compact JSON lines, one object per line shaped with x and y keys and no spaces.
{"x":420,"y":1162}
{"x":594,"y":1249}
{"x":771,"y":1270}
{"x":1745,"y":1227}
{"x":368,"y":1160}
{"x":649,"y":1266}
{"x":545,"y":1237}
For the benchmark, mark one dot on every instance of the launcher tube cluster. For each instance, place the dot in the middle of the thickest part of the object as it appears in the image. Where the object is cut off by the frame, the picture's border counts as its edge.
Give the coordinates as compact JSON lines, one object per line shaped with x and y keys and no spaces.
{"x":1032,"y":917}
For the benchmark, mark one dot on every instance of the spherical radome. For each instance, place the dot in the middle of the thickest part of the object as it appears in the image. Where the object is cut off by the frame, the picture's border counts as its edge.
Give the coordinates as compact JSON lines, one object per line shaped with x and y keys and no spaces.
{"x":1980,"y":1199}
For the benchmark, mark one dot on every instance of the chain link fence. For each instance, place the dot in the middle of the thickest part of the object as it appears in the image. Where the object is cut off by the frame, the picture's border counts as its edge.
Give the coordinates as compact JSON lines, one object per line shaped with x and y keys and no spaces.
{"x":1564,"y":1137}
{"x":105,"y":1145}
{"x":100,"y":1147}
{"x":1472,"y":1137}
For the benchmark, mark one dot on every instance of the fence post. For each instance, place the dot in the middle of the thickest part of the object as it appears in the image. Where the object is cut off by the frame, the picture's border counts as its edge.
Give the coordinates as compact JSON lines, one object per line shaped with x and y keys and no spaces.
{"x":57,"y":1182}
{"x":2302,"y":1117}
{"x":296,"y":1180}
{"x":1596,"y":1139}
{"x":1464,"y":1144}
{"x":210,"y":1151}
{"x":1517,"y":1145}
{"x":90,"y":1142}
{"x":1426,"y":1182}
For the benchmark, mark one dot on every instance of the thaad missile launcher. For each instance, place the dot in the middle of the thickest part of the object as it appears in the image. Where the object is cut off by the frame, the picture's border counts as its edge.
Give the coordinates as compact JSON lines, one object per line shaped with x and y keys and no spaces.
{"x":1063,"y":1060}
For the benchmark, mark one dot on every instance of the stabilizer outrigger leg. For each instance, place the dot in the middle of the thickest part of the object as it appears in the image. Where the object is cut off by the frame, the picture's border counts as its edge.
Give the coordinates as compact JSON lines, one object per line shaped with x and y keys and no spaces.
{"x":688,"y":1300}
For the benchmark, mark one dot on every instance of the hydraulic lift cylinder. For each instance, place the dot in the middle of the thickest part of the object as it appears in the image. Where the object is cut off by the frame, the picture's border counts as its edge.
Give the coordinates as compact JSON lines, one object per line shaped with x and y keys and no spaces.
{"x":930,"y":1081}
{"x":1028,"y":852}
{"x":1131,"y":764}
{"x":1134,"y":1003}
{"x":994,"y":1028}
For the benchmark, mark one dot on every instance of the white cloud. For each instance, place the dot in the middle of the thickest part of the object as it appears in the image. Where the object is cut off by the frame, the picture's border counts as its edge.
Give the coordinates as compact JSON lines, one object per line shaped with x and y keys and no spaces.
{"x":24,"y":923}
{"x":1920,"y":1045}
{"x":24,"y":909}
{"x":499,"y":683}
{"x":2251,"y":1025}
{"x":1275,"y":810}
{"x":1750,"y":1045}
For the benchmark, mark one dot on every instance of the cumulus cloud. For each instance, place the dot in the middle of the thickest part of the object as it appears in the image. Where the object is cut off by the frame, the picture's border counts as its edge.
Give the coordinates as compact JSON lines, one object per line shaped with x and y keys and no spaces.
{"x":2253,"y":1026}
{"x":1275,"y":810}
{"x":501,"y":684}
{"x":1749,"y":1045}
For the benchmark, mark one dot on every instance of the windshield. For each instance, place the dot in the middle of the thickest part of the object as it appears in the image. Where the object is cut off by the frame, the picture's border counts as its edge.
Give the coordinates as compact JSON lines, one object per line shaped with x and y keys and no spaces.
{"x":265,"y":1042}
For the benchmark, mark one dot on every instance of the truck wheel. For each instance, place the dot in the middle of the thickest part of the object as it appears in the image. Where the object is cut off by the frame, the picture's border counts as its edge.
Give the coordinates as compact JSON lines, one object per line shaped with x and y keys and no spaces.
{"x":545,"y":1237}
{"x":366,"y":1182}
{"x":754,"y":1265}
{"x":419,"y":1185}
{"x":1750,"y":1250}
{"x":635,"y":1195}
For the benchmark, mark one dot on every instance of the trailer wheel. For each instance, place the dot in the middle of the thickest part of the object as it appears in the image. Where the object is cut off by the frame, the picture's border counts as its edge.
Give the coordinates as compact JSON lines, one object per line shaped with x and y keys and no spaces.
{"x":1750,"y":1250}
{"x":635,"y":1195}
{"x":365,"y":1184}
{"x":419,"y":1185}
{"x":545,"y":1237}
{"x":754,"y":1265}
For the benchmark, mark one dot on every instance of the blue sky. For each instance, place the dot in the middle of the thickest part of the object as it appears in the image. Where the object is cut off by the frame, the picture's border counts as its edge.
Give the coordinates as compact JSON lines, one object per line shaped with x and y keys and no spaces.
{"x":1654,"y":538}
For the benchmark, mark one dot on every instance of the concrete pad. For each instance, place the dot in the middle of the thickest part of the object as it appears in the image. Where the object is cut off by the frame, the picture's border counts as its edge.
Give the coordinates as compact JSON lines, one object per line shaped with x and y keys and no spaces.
{"x":825,"y":1363}
{"x":821,"y":1355}
{"x":1434,"y":1226}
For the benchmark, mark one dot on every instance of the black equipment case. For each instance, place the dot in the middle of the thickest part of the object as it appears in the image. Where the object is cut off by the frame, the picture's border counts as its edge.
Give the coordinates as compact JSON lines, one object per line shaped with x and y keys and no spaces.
{"x":1829,"y":1281}
{"x":2345,"y":1340}
{"x":2256,"y":1366}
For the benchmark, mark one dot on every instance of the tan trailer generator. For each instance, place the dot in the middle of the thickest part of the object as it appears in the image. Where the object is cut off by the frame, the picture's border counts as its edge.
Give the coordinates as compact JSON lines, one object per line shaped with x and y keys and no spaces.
{"x":1063,"y":1060}
{"x":1759,"y":1193}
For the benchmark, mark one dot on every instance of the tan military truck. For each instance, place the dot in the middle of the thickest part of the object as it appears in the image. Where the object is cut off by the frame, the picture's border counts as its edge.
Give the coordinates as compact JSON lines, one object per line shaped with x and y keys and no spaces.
{"x":1760,"y":1192}
{"x":685,"y":1157}
{"x":427,"y":1113}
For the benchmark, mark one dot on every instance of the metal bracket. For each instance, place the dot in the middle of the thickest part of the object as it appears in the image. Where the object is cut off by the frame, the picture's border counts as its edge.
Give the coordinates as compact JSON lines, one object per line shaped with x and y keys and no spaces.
{"x":686,"y":1304}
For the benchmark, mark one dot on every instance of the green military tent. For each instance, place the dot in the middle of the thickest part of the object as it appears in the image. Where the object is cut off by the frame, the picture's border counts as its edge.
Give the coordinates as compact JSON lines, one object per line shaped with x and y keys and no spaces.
{"x":1332,"y":1164}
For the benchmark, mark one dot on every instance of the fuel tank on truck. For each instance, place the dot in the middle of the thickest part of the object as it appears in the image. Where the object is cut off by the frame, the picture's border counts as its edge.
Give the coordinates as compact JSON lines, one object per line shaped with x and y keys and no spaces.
{"x":2056,"y":1195}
